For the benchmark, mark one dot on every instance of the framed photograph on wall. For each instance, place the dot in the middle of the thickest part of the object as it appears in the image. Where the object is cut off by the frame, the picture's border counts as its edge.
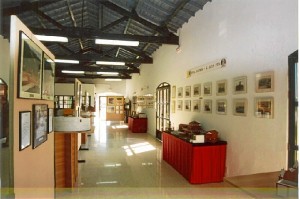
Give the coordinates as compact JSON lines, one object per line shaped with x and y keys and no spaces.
{"x":24,"y":129}
{"x":187,"y":91}
{"x":50,"y":119}
{"x":119,"y":101}
{"x":240,"y":107}
{"x":221,"y":106}
{"x":173,"y":106}
{"x":196,"y":90}
{"x":264,"y":107}
{"x":264,"y":82}
{"x":179,"y":105}
{"x":110,"y":101}
{"x":207,"y":89}
{"x":173,"y":92}
{"x":240,"y":85}
{"x":40,"y":124}
{"x":48,"y":78}
{"x":196,"y":105}
{"x":221,"y":87}
{"x":180,"y":92}
{"x":207,"y":106}
{"x":110,"y":109}
{"x":30,"y":69}
{"x":187,"y":105}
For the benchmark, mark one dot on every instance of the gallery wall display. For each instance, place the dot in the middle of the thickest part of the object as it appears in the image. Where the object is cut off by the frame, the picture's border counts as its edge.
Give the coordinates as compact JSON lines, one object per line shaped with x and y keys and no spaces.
{"x":264,"y":107}
{"x":240,"y":107}
{"x":264,"y":82}
{"x":40,"y":124}
{"x":221,"y":106}
{"x":25,"y":129}
{"x":48,"y":78}
{"x":221,"y":87}
{"x":240,"y":85}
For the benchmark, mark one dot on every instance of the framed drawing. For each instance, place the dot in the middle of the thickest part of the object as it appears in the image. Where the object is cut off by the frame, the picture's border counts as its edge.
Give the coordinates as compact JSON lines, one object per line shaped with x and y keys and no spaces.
{"x":30,"y":69}
{"x":264,"y":107}
{"x":221,"y":106}
{"x":196,"y":105}
{"x":187,"y":91}
{"x":240,"y":107}
{"x":187,"y":105}
{"x":110,"y":109}
{"x":40,"y":124}
{"x":240,"y":85}
{"x":110,"y":101}
{"x":207,"y":88}
{"x":24,"y":129}
{"x":196,"y":90}
{"x":173,"y":106}
{"x":221,"y":87}
{"x":180,"y":92}
{"x":119,"y":101}
{"x":264,"y":82}
{"x":48,"y":78}
{"x":50,"y":120}
{"x":207,"y":106}
{"x":179,"y":105}
{"x":173,"y":91}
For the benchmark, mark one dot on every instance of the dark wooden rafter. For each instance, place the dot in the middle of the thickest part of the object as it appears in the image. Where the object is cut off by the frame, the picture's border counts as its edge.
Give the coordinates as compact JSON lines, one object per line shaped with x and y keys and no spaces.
{"x":49,"y":19}
{"x":176,"y":11}
{"x":107,"y":27}
{"x":91,"y":76}
{"x":25,"y":6}
{"x":96,"y":69}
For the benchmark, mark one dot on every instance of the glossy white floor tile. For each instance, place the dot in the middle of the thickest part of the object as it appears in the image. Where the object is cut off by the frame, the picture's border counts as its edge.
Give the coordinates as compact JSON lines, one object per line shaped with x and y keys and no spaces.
{"x":121,"y":164}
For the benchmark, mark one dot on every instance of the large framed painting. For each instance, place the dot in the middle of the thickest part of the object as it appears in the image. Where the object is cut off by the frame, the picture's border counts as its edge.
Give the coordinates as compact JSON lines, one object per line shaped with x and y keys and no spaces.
{"x":30,"y":69}
{"x":48,"y":78}
{"x":40,"y":124}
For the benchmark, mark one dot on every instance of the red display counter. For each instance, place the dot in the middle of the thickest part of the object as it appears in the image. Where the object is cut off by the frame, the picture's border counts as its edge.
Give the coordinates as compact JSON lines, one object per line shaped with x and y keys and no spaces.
{"x":137,"y":125}
{"x":198,"y":163}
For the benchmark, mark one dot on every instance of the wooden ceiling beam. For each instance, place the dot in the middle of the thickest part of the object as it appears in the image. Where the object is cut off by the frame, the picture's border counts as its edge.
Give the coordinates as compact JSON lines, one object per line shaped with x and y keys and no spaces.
{"x":25,"y":6}
{"x":95,"y":69}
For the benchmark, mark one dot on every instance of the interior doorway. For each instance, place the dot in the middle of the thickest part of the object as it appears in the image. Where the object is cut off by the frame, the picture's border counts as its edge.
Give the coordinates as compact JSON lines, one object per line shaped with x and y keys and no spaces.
{"x":102,"y":108}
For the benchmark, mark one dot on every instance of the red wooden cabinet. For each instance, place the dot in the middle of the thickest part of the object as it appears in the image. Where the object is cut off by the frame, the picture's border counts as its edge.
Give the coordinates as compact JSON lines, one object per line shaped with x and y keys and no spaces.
{"x":137,"y":125}
{"x":198,"y":163}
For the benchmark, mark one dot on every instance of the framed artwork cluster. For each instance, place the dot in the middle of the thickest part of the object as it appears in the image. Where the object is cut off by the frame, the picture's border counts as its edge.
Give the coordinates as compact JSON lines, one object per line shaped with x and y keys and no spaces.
{"x":36,"y":71}
{"x":115,"y":104}
{"x":35,"y":125}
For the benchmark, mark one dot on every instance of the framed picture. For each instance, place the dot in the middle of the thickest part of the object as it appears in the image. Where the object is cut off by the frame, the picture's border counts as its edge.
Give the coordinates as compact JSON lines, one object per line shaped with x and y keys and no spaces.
{"x":173,"y":91}
{"x":221,"y":106}
{"x":187,"y":105}
{"x":179,"y":105}
{"x":196,"y":90}
{"x":221,"y":87}
{"x":110,"y":109}
{"x":240,"y":85}
{"x":40,"y":124}
{"x":207,"y":106}
{"x":187,"y":91}
{"x":50,"y":120}
{"x":30,"y":69}
{"x":196,"y":105}
{"x":119,"y":100}
{"x":207,"y":88}
{"x":180,"y":92}
{"x":48,"y":78}
{"x":264,"y":107}
{"x":110,"y":101}
{"x":264,"y":82}
{"x":240,"y":107}
{"x":173,"y":106}
{"x":24,"y":129}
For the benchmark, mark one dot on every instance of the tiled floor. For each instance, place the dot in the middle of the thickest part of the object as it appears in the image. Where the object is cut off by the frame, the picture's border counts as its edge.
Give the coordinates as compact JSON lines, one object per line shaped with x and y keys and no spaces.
{"x":120,"y":164}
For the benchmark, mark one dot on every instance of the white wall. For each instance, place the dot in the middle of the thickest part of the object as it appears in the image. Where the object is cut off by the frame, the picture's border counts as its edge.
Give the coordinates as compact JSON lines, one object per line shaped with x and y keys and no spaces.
{"x":90,"y":88}
{"x":111,"y":88}
{"x":255,"y":36}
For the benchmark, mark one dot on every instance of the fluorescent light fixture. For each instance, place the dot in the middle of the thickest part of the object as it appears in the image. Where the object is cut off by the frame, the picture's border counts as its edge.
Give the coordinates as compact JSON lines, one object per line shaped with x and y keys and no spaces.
{"x":113,"y":80}
{"x":117,"y":42}
{"x":52,"y":38}
{"x":107,"y":73}
{"x":68,"y":61}
{"x":73,"y":72}
{"x":110,"y":63}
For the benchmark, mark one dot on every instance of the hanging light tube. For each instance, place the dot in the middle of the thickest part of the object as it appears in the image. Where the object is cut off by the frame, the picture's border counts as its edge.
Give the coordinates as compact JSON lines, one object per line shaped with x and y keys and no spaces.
{"x":52,"y":38}
{"x":110,"y":63}
{"x":117,"y":42}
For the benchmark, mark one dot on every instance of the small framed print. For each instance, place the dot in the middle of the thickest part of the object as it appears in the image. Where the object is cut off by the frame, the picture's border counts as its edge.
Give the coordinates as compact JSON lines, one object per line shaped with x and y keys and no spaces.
{"x":119,"y":101}
{"x":207,"y":106}
{"x":221,"y":106}
{"x":196,"y":105}
{"x":40,"y":124}
{"x":180,"y":92}
{"x":50,"y":120}
{"x":179,"y":105}
{"x":221,"y":87}
{"x":25,"y":129}
{"x":187,"y":105}
{"x":196,"y":90}
{"x":207,"y":89}
{"x":240,"y":85}
{"x":264,"y":82}
{"x":187,"y":91}
{"x":173,"y":106}
{"x":240,"y":107}
{"x":110,"y":101}
{"x":264,"y":107}
{"x":173,"y":92}
{"x":110,"y":109}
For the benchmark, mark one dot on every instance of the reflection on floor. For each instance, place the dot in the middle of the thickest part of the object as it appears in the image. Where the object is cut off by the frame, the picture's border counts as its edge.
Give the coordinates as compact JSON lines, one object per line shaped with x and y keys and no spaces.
{"x":121,"y":164}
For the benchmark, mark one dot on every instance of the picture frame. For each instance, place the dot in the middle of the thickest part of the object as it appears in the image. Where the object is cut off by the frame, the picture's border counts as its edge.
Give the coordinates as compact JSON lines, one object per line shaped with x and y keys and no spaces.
{"x":207,"y":106}
{"x":110,"y":109}
{"x":240,"y":85}
{"x":264,"y":82}
{"x":24,"y":129}
{"x":196,"y":90}
{"x":264,"y":107}
{"x":207,"y":89}
{"x":30,"y":69}
{"x":40,"y":124}
{"x":187,"y":91}
{"x":221,"y":106}
{"x":180,"y":92}
{"x":173,"y":106}
{"x":110,"y":101}
{"x":179,"y":105}
{"x":187,"y":105}
{"x":240,"y":107}
{"x":50,"y":120}
{"x":119,"y":101}
{"x":221,"y":87}
{"x":48,"y":78}
{"x":173,"y":92}
{"x":196,"y":105}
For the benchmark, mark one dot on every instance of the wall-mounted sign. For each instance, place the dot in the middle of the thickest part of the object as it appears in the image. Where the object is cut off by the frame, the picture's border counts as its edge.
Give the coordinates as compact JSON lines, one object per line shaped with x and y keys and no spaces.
{"x":217,"y":64}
